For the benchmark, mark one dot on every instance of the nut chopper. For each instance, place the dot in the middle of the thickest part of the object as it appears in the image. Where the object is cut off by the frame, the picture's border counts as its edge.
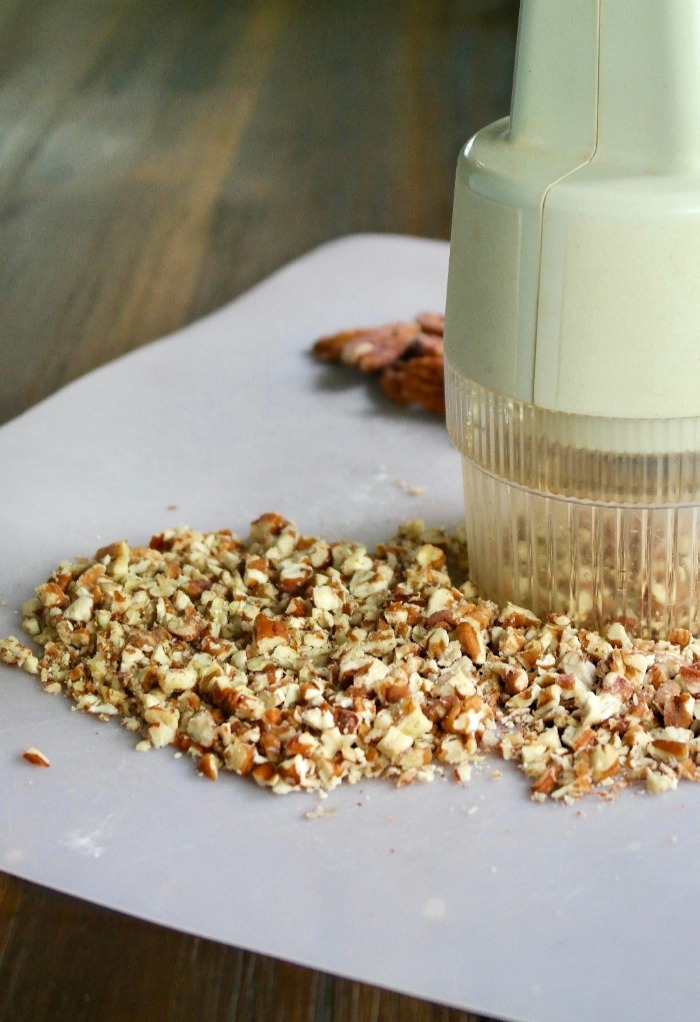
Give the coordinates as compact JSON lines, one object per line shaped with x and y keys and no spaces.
{"x":572,"y":337}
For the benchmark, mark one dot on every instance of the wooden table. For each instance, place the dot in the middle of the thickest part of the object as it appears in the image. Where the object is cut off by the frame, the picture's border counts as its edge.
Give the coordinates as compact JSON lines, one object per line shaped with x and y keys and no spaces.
{"x":156,"y":159}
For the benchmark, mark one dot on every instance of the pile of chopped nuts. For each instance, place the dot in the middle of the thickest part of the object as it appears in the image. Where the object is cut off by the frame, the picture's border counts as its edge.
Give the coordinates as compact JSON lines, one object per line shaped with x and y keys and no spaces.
{"x":305,"y":663}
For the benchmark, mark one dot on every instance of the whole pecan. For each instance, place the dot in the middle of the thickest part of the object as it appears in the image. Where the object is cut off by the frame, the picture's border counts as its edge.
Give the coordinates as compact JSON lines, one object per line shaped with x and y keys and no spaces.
{"x":407,"y":357}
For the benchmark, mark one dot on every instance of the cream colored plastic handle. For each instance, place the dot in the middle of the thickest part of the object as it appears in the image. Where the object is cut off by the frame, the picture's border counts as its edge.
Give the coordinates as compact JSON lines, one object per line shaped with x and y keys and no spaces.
{"x":503,"y":177}
{"x":649,"y":108}
{"x":618,"y":77}
{"x":576,"y":235}
{"x":555,"y":89}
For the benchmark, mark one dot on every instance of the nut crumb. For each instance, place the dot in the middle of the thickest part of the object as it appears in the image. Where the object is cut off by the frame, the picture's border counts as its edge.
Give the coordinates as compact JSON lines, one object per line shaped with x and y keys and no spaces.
{"x":319,"y":812}
{"x":412,"y":491}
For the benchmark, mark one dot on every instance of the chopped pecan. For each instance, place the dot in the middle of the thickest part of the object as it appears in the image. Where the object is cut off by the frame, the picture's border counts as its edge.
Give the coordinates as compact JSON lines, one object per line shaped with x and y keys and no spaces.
{"x":36,"y":757}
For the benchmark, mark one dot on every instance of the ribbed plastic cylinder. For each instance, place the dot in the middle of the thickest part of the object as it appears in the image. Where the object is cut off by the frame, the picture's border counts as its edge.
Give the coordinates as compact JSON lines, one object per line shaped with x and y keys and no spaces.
{"x":594,"y":518}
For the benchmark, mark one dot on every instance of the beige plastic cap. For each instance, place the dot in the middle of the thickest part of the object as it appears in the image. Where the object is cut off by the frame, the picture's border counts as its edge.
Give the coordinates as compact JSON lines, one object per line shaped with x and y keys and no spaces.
{"x":575,"y":254}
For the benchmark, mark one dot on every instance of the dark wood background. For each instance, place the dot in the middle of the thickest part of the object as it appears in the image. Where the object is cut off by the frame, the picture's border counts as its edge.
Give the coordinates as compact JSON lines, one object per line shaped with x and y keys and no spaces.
{"x":156,"y":159}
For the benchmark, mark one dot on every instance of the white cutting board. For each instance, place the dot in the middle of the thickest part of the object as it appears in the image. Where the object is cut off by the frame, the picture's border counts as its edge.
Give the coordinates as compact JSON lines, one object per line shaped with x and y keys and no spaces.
{"x":473,"y":896}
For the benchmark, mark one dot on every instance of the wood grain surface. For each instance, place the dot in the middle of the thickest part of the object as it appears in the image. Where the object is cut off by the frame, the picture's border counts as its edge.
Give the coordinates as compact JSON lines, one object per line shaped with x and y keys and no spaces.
{"x":157,"y":159}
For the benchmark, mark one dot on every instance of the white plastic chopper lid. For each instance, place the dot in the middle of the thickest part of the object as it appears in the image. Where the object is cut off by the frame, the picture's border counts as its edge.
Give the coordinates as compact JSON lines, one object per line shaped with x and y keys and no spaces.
{"x":572,"y":338}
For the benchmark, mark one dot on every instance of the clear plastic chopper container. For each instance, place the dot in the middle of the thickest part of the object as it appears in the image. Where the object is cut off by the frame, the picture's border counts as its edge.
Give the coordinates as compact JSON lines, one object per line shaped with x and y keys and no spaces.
{"x":572,"y":335}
